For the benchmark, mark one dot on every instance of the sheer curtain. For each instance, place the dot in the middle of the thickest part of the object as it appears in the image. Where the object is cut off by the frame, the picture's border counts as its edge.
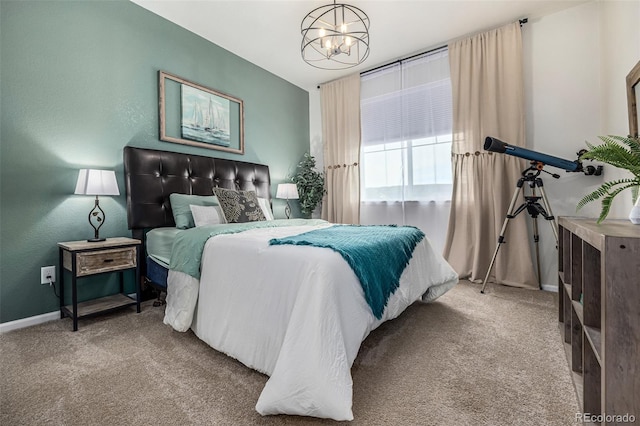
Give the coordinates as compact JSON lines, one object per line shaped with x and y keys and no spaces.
{"x":406,"y":114}
{"x":488,"y":100}
{"x":340,"y":108}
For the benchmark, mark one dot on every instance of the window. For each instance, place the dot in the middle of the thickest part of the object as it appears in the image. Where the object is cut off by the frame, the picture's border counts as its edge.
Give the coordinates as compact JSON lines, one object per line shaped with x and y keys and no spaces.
{"x":406,"y":112}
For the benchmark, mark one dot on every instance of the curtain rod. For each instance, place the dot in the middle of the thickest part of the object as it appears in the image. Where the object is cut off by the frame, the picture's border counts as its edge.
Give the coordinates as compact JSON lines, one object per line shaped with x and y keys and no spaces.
{"x":521,"y":22}
{"x":397,"y":61}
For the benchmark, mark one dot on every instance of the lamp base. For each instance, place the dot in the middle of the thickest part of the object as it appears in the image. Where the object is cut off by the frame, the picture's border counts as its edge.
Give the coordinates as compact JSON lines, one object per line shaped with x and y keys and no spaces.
{"x":98,"y":215}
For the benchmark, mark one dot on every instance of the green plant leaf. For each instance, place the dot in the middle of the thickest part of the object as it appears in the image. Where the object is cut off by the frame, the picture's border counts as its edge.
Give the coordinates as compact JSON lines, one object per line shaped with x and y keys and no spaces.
{"x":310,"y":184}
{"x":615,"y":153}
{"x":605,"y":189}
{"x":606,"y":202}
{"x":618,"y":151}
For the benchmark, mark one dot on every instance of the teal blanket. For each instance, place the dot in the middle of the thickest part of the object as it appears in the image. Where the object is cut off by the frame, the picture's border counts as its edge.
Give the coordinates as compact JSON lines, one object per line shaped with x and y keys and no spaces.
{"x":377,"y":254}
{"x":188,"y":246}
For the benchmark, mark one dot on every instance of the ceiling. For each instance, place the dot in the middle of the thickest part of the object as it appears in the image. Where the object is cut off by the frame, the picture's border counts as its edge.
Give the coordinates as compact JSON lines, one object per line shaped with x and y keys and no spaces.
{"x":267,"y":32}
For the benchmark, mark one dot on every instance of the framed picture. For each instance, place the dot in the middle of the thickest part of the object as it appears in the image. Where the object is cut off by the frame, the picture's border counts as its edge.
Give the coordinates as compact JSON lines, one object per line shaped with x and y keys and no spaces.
{"x":192,"y":114}
{"x":633,"y":97}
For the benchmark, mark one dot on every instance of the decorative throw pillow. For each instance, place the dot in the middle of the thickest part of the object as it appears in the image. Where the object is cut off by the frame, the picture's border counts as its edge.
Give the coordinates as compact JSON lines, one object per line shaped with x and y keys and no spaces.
{"x":207,"y":215}
{"x":181,"y":207}
{"x":266,"y":208}
{"x":239,"y":206}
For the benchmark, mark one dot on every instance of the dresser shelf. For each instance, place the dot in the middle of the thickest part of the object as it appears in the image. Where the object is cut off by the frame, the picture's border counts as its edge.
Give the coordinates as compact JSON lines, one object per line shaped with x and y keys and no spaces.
{"x":599,"y":314}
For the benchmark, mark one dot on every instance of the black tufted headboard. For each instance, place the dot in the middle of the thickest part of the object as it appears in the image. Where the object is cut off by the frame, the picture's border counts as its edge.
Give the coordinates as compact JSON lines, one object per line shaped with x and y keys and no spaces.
{"x":151,"y":176}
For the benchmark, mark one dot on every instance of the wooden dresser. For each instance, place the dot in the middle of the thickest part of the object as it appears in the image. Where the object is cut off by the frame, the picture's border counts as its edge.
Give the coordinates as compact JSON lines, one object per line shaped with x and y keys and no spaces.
{"x":599,"y":312}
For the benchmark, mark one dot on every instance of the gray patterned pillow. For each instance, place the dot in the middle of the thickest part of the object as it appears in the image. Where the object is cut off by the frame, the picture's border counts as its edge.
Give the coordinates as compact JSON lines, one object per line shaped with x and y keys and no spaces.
{"x":239,"y":206}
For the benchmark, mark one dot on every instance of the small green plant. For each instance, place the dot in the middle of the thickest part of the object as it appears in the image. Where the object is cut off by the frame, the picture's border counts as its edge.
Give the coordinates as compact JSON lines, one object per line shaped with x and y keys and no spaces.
{"x":619,"y":151}
{"x":310,"y":184}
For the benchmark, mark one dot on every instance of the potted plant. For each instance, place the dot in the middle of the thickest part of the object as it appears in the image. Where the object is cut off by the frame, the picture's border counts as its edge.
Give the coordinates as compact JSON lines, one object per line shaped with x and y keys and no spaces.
{"x":310,"y":184}
{"x":622,"y":152}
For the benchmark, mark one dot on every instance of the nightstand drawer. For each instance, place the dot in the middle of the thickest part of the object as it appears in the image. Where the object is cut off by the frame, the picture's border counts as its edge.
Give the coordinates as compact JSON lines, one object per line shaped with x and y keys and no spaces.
{"x":96,"y":262}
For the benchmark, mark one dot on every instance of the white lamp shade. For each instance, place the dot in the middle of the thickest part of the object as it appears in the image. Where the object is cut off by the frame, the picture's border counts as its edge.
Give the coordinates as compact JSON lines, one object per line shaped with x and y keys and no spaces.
{"x":97,"y":182}
{"x":287,"y":191}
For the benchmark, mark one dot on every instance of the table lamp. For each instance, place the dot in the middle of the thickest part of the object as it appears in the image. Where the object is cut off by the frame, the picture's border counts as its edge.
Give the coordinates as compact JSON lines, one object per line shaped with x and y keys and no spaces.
{"x":287,"y":191}
{"x":96,"y":182}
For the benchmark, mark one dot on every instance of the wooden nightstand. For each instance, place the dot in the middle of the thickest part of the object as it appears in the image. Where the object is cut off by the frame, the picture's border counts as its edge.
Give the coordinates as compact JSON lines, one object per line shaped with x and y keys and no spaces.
{"x":83,"y":258}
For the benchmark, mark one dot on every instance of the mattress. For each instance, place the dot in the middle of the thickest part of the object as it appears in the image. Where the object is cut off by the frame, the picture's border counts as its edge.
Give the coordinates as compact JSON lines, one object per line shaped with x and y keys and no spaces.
{"x":159,"y":243}
{"x":156,"y":274}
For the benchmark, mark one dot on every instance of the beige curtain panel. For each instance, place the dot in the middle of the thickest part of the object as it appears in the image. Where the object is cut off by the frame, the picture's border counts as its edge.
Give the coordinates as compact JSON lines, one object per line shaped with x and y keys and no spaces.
{"x":340,"y":108}
{"x":488,"y":100}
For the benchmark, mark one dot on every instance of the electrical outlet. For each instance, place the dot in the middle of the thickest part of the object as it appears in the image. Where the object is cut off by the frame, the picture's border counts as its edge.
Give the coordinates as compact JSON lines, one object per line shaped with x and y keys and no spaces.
{"x":47,"y":271}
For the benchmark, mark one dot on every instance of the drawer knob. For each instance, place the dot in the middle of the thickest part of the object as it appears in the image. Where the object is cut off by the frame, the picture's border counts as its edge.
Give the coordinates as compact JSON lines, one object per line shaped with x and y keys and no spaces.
{"x":108,"y":260}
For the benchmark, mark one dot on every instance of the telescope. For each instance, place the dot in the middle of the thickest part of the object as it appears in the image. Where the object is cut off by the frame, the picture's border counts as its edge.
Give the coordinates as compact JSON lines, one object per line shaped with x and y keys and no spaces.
{"x":496,"y":145}
{"x":531,"y":204}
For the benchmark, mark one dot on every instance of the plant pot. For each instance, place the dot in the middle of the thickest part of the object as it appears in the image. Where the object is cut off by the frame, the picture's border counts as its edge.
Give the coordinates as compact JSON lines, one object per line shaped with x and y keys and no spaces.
{"x":634,"y":216}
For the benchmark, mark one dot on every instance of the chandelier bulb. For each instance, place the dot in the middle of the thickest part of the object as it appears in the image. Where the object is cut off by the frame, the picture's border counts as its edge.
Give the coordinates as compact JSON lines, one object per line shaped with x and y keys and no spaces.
{"x":322,"y":32}
{"x":343,"y":28}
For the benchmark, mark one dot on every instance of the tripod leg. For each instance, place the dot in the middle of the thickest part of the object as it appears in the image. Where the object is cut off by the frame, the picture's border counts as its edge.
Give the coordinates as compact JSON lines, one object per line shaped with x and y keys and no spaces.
{"x":495,"y":254}
{"x":536,"y":238}
{"x":547,"y":206}
{"x":504,"y":229}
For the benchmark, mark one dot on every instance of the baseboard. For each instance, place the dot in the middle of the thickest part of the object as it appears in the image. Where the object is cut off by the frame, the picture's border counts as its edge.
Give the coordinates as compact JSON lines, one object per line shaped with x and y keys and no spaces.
{"x":38,"y":319}
{"x":550,"y":287}
{"x":27,"y":322}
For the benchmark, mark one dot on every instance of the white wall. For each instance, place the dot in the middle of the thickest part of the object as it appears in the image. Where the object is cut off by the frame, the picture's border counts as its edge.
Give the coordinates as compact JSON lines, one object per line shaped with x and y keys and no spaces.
{"x":562,"y":92}
{"x":575,"y":65}
{"x":315,"y":128}
{"x":315,"y":136}
{"x":620,"y":41}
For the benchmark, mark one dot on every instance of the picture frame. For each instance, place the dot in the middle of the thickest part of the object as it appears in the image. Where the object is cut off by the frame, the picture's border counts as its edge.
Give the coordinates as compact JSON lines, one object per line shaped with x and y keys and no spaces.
{"x":196,"y":115}
{"x":633,"y":95}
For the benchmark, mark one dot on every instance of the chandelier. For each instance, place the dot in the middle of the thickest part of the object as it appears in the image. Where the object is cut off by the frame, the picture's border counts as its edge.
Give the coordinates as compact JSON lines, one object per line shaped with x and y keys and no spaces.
{"x":335,"y":36}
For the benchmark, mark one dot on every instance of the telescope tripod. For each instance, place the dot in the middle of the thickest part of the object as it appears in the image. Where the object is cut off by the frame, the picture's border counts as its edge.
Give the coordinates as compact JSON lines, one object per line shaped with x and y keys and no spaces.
{"x":533,"y":207}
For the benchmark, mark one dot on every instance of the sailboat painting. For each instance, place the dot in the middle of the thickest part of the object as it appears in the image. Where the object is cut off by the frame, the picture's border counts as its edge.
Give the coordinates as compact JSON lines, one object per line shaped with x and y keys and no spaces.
{"x":205,"y":117}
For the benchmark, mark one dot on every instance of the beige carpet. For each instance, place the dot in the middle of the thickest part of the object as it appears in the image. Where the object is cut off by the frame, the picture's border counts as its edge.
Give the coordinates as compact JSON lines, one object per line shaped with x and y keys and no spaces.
{"x":465,"y":359}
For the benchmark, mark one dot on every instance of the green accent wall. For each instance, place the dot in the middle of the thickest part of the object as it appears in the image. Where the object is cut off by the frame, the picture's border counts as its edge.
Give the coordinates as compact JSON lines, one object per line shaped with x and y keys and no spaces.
{"x":78,"y":82}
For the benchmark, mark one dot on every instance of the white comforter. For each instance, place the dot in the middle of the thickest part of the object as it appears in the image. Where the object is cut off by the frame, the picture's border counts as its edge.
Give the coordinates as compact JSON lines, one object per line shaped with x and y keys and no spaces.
{"x":295,"y":313}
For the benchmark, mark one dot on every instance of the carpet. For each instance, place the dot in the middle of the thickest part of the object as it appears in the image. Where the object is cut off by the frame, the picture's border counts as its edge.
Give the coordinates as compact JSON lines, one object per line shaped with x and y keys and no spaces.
{"x":464,"y":359}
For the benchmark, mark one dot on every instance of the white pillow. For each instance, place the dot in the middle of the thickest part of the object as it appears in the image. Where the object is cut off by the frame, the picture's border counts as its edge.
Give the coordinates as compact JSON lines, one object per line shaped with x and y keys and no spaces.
{"x":207,"y":215}
{"x":266,"y":208}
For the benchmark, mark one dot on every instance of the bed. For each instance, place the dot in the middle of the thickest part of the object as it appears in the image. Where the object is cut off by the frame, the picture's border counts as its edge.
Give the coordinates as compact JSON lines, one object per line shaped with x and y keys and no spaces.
{"x":295,"y":312}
